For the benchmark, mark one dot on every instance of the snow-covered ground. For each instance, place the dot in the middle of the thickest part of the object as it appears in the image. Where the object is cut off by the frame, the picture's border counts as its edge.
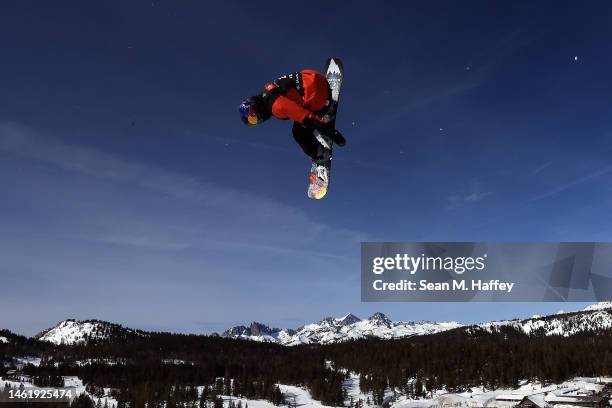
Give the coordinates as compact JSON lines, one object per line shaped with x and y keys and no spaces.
{"x":101,"y":361}
{"x":173,"y":361}
{"x":3,"y":339}
{"x":595,"y":317}
{"x":296,"y":395}
{"x":16,"y":384}
{"x":299,"y":395}
{"x":507,"y":398}
{"x":22,"y":361}
{"x":476,"y":397}
{"x":69,"y":382}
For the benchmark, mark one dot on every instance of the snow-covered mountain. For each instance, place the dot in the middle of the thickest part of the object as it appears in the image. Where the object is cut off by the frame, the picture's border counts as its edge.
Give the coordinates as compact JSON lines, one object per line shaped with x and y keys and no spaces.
{"x":71,"y":332}
{"x":595,"y":317}
{"x":259,"y":332}
{"x":332,"y":330}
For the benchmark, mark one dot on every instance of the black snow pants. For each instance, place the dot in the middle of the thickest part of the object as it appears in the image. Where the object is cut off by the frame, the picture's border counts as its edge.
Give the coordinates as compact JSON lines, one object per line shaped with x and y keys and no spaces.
{"x":305,"y":138}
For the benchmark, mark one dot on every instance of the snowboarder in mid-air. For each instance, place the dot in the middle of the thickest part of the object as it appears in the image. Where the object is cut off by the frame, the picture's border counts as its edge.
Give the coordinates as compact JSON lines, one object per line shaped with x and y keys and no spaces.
{"x":307,"y":97}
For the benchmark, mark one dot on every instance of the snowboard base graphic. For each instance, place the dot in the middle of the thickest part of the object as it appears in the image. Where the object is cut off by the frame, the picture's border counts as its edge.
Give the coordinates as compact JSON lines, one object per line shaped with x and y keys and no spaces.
{"x":318,"y":185}
{"x":319,"y":177}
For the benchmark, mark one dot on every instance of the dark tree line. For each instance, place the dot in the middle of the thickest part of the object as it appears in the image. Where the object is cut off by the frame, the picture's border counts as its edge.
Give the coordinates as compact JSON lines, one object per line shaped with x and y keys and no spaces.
{"x":456,"y":359}
{"x":159,"y":367}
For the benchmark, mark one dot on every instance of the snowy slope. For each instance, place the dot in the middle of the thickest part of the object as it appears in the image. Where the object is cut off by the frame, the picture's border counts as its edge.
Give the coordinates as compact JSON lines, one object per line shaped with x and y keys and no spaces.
{"x":595,"y":317}
{"x":70,"y":332}
{"x":3,"y":339}
{"x":70,"y":382}
{"x":331,"y":330}
{"x":598,"y":306}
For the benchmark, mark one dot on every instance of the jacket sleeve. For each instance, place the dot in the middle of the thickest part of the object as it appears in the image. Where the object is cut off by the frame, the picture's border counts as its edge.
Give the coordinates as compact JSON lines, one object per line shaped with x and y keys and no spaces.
{"x":289,"y":81}
{"x":284,"y":107}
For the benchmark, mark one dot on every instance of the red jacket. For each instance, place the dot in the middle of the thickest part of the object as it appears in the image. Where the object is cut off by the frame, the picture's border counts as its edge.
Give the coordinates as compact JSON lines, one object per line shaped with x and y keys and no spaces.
{"x":297,"y":96}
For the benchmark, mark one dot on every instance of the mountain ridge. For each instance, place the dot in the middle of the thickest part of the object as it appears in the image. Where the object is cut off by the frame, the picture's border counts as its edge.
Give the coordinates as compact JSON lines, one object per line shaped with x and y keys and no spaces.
{"x":348,"y":327}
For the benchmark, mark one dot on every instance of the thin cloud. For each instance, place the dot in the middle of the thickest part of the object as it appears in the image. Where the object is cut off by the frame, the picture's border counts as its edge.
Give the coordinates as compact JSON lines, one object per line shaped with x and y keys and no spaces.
{"x":225,"y":217}
{"x":470,"y":197}
{"x":541,"y":168}
{"x":474,"y":193}
{"x":567,"y":186}
{"x":118,"y":239}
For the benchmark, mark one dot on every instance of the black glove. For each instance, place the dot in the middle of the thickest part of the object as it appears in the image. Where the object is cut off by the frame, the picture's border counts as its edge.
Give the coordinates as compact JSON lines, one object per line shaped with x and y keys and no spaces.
{"x":338,"y":138}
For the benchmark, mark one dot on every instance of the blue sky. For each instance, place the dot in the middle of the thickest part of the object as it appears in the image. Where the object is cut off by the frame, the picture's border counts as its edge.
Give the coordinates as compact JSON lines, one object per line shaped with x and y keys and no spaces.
{"x":133,"y":193}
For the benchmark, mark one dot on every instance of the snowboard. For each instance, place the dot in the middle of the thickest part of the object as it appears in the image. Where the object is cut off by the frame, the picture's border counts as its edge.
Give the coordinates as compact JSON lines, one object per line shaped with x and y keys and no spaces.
{"x":320,"y":169}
